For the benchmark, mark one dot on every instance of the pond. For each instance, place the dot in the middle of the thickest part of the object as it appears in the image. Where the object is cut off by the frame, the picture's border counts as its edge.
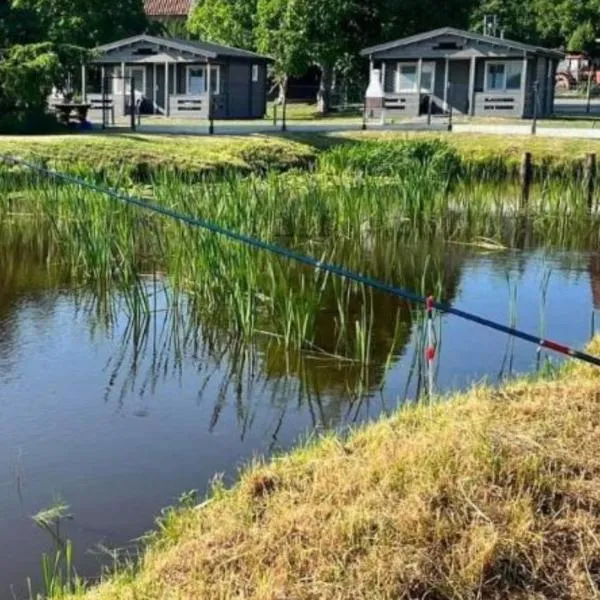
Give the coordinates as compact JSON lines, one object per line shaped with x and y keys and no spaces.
{"x":117,"y":414}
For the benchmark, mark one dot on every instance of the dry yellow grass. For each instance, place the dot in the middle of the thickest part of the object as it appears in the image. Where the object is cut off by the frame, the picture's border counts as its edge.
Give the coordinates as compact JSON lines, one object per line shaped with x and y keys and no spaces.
{"x":491,"y":494}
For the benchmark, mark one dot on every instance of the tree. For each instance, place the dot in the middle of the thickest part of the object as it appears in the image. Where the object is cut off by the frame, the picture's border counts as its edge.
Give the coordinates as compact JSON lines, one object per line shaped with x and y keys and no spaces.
{"x":583,"y":39}
{"x":282,"y":28}
{"x":85,"y":23}
{"x":28,"y":72}
{"x":229,"y":22}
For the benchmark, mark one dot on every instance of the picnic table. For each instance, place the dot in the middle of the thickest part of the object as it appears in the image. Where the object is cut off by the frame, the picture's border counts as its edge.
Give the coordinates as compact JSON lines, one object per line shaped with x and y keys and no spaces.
{"x":64,"y":110}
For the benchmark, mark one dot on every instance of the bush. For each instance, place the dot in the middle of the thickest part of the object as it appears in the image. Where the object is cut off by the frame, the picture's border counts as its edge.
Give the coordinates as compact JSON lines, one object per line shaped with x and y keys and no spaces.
{"x":27,"y":124}
{"x":394,"y":157}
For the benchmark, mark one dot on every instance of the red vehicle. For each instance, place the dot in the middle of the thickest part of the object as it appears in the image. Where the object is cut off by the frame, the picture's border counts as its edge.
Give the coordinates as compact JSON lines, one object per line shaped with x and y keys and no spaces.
{"x":574,"y":71}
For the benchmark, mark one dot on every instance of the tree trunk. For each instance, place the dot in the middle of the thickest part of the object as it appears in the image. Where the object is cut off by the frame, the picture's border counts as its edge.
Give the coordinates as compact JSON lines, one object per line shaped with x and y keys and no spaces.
{"x":324,"y":93}
{"x":283,"y":95}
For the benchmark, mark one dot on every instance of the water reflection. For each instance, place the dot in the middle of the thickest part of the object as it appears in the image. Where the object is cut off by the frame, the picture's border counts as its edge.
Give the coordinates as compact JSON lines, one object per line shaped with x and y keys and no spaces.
{"x":119,"y":411}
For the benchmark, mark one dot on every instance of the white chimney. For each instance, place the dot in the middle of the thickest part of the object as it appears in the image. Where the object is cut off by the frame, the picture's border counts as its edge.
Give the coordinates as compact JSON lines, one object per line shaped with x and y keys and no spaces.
{"x":375,"y":89}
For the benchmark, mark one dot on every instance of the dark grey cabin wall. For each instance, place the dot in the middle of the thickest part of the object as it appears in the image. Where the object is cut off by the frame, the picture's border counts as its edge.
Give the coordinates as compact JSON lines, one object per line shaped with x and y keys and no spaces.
{"x":531,"y":74}
{"x":479,"y":75}
{"x":438,"y":86}
{"x":458,"y":77}
{"x":238,"y":90}
{"x":148,"y":107}
{"x":258,"y":104}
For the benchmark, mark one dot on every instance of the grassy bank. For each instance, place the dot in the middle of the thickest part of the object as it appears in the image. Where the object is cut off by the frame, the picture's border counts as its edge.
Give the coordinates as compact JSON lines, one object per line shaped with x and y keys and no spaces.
{"x":490,"y":494}
{"x":495,"y":155}
{"x":140,"y":156}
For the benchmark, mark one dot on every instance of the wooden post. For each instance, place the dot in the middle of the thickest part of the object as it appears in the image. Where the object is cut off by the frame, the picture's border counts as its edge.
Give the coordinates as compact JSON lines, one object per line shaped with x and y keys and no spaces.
{"x":419,"y":77}
{"x":211,"y":124}
{"x":535,"y":107}
{"x":166,"y":112}
{"x":526,"y":180}
{"x":589,"y":88}
{"x":83,"y":86}
{"x":589,"y":178}
{"x":284,"y":105}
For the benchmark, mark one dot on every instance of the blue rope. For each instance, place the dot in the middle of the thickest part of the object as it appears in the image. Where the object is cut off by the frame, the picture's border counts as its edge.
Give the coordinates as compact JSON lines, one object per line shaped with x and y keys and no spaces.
{"x":308,"y":260}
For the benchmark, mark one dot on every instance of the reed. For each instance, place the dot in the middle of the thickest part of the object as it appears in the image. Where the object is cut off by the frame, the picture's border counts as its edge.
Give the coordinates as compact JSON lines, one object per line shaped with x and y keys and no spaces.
{"x":356,"y":208}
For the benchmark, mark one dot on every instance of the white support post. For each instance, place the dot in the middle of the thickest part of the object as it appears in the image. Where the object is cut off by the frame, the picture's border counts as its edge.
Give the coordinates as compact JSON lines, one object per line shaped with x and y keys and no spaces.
{"x":123,"y":89}
{"x":383,"y":65}
{"x":83,"y":90}
{"x":166,"y":88}
{"x":154,"y":88}
{"x":209,"y":89}
{"x":446,"y":77}
{"x":472,"y":71}
{"x":524,"y":86}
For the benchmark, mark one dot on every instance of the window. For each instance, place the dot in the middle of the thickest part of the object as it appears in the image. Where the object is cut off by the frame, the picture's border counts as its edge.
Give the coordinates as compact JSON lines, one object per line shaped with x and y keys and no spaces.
{"x":503,"y":76}
{"x":254,"y":73}
{"x":427,"y":78}
{"x":138,"y":74}
{"x":406,"y":77}
{"x":197,"y":80}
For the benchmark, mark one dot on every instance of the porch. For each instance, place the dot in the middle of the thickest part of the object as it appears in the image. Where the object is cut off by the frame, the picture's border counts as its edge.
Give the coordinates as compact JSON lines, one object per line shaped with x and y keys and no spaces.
{"x":170,"y":89}
{"x":470,"y":87}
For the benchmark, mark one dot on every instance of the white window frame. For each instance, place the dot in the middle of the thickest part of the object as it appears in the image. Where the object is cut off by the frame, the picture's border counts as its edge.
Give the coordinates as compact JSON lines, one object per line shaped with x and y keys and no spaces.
{"x":506,"y":64}
{"x":216,"y":71}
{"x":425,"y":64}
{"x":119,"y":83}
{"x":428,"y":64}
{"x":255,"y":73}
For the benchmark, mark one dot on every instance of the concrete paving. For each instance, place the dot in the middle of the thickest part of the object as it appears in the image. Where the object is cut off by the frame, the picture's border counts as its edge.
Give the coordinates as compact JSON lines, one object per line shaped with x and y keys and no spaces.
{"x":292,"y":127}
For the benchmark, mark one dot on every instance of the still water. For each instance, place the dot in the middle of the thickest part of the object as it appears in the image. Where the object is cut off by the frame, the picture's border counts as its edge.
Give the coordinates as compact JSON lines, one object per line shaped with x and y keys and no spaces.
{"x":118,"y":419}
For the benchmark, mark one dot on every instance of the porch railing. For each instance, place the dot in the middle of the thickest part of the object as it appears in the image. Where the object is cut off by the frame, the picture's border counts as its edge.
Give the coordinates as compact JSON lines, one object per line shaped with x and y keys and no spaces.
{"x":188,"y":106}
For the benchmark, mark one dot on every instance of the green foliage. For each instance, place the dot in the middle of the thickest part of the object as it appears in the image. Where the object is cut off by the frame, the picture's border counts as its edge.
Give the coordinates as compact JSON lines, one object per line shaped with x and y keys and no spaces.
{"x":553,"y":23}
{"x":583,"y":38}
{"x":394,"y":158}
{"x":28,"y":72}
{"x":229,"y":22}
{"x":88,"y":23}
{"x":282,"y":32}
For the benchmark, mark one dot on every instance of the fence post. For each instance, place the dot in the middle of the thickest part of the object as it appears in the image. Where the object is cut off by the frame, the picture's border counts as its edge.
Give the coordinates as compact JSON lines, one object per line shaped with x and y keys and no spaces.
{"x":589,"y":89}
{"x":449,"y":96}
{"x":103,"y":101}
{"x":589,"y":178}
{"x":284,"y":106}
{"x":132,"y":102}
{"x":526,"y":173}
{"x":364,"y":114}
{"x":429,"y":109}
{"x":535,"y":108}
{"x":211,"y":115}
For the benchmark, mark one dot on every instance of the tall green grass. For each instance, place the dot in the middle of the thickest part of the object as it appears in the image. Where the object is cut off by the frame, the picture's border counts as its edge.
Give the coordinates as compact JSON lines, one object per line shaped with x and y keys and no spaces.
{"x":360,"y":204}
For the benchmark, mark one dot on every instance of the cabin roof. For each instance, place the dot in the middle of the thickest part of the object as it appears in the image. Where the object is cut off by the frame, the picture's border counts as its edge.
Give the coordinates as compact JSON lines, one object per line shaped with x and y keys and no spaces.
{"x":199,"y":47}
{"x":469,"y":35}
